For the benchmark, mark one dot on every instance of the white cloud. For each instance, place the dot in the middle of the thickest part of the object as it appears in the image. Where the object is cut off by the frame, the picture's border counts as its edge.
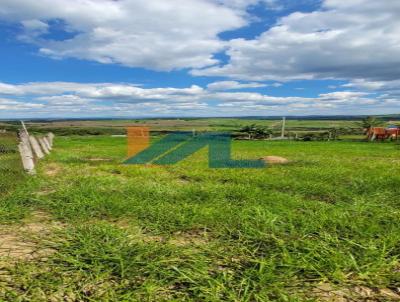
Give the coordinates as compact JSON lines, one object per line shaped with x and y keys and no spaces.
{"x":64,"y":100}
{"x":35,"y":27}
{"x":107,"y":99}
{"x":230,"y":85}
{"x":387,"y":91}
{"x":156,"y":34}
{"x":238,"y":4}
{"x":49,"y":88}
{"x":374,"y":85}
{"x":357,"y":39}
{"x":242,"y":4}
{"x":8,"y":105}
{"x":348,"y":98}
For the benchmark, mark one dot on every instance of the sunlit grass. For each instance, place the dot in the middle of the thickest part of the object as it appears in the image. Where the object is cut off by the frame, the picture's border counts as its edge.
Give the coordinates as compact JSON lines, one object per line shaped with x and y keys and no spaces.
{"x":191,"y":233}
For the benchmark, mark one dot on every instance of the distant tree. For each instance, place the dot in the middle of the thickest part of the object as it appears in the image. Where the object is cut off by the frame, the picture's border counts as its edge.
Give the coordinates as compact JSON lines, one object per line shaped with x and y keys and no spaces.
{"x":263,"y":132}
{"x":333,"y":134}
{"x":370,"y":122}
{"x":255,"y":131}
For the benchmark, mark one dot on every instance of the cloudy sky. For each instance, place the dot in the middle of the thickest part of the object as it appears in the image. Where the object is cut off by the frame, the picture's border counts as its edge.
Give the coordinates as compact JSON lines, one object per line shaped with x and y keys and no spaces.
{"x":147,"y":58}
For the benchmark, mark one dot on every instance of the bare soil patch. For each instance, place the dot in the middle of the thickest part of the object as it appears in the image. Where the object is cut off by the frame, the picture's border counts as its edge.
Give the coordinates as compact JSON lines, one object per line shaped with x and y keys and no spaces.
{"x":23,"y":242}
{"x":45,"y":192}
{"x":326,"y":292}
{"x":275,"y":160}
{"x":96,"y":159}
{"x":52,"y":170}
{"x":193,"y":237}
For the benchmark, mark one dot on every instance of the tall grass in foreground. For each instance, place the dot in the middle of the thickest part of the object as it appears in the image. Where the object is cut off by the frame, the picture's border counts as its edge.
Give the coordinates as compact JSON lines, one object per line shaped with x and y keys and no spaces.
{"x":12,"y":177}
{"x":10,"y":163}
{"x":190,"y":233}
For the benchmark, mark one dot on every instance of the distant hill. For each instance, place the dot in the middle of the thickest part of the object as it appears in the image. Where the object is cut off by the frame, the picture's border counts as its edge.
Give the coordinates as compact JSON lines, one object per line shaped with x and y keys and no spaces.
{"x":395,"y":117}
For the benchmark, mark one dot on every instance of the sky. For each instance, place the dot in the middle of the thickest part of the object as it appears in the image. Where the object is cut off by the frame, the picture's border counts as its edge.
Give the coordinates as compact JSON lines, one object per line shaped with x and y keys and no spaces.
{"x":198,"y":58}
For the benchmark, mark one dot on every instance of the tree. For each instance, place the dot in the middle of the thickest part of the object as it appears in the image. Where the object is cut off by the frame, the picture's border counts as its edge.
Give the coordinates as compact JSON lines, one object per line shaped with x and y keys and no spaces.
{"x":333,"y":134}
{"x":370,"y":122}
{"x":255,"y":131}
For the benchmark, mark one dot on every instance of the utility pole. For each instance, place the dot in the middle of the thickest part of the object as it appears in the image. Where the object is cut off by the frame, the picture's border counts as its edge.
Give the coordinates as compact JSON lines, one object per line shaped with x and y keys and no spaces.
{"x":283,"y":127}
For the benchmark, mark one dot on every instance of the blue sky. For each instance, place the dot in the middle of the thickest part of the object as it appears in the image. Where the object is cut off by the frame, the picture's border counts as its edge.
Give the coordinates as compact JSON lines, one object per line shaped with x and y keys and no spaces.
{"x":136,"y":58}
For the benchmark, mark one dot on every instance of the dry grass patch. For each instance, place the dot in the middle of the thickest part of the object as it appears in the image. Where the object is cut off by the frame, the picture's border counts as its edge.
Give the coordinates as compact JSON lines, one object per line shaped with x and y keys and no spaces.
{"x":194,"y":237}
{"x":98,"y":159}
{"x":52,"y":169}
{"x":326,"y":292}
{"x":275,"y":160}
{"x":23,"y":242}
{"x":45,"y":192}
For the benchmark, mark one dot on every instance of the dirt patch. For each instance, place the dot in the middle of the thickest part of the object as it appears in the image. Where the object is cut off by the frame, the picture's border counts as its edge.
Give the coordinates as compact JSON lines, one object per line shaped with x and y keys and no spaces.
{"x":23,"y":242}
{"x":52,"y":170}
{"x":273,"y":160}
{"x":95,"y":159}
{"x":15,"y":247}
{"x":184,"y":180}
{"x":326,"y":292}
{"x":45,"y":192}
{"x":137,"y":233}
{"x":193,"y":237}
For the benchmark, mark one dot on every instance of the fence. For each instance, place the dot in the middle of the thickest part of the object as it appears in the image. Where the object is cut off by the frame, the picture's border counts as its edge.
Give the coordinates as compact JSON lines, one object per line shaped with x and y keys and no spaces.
{"x":11,"y":170}
{"x":33,"y":148}
{"x":28,"y":148}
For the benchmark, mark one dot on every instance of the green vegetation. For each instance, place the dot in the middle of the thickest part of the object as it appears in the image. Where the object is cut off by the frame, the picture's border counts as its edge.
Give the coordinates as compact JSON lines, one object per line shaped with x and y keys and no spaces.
{"x":12,"y":178}
{"x":190,"y":233}
{"x":110,"y":127}
{"x":371,"y":121}
{"x":255,"y":131}
{"x":10,"y":166}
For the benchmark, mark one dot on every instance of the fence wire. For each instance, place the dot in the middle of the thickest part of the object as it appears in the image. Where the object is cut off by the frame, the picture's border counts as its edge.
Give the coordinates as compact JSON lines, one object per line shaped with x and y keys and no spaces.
{"x":11,"y":170}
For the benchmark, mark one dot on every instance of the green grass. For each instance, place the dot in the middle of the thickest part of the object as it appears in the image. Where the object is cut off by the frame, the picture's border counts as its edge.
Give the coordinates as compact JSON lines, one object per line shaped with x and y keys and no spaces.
{"x":10,"y":163}
{"x":190,"y":233}
{"x":104,"y":127}
{"x":9,"y":160}
{"x":11,"y":178}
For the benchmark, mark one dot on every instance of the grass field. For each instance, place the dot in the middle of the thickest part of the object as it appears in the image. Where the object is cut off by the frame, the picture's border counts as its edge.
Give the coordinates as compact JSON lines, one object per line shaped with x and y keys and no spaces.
{"x":10,"y":166}
{"x":105,"y":127}
{"x":324,"y":227}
